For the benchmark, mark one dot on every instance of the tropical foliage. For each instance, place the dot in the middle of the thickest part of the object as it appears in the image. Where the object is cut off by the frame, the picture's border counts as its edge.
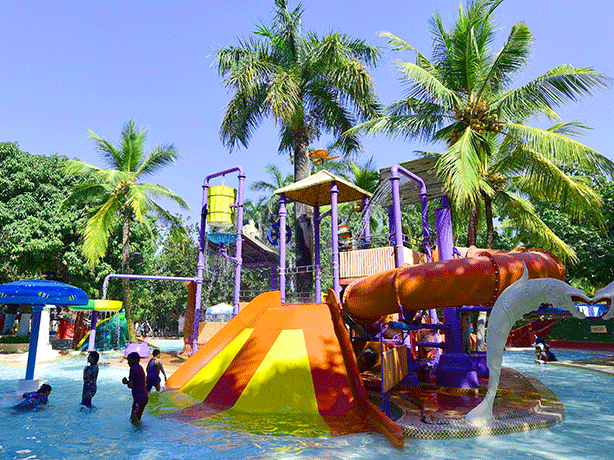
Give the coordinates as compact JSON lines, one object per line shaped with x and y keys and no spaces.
{"x":463,"y":98}
{"x":37,"y":240}
{"x":118,"y":196}
{"x":308,"y":85}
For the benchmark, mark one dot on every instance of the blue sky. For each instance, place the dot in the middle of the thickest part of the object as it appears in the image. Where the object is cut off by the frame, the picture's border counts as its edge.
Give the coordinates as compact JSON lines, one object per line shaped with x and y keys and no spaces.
{"x":70,"y":66}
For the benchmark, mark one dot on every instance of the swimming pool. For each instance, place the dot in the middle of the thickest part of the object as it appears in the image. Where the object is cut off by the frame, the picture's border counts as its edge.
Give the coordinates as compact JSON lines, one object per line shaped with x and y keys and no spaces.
{"x":61,"y":431}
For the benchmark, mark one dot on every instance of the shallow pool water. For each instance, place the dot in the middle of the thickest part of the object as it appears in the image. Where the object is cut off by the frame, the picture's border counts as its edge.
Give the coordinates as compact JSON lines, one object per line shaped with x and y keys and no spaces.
{"x":60,"y":430}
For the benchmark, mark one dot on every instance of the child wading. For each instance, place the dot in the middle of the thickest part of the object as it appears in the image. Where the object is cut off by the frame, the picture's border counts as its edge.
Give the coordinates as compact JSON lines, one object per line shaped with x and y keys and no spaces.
{"x":154,"y":367}
{"x":136,"y":381}
{"x":90,"y":374}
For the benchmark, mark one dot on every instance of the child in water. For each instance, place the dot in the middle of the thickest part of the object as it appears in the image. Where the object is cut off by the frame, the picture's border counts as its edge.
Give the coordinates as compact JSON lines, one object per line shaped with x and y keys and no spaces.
{"x":34,"y":399}
{"x":136,"y":382}
{"x":543,"y":354}
{"x":154,"y":367}
{"x":90,"y":375}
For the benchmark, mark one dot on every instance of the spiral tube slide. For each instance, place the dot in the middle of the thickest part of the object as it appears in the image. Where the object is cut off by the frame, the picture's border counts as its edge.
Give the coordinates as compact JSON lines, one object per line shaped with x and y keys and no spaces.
{"x":475,"y":280}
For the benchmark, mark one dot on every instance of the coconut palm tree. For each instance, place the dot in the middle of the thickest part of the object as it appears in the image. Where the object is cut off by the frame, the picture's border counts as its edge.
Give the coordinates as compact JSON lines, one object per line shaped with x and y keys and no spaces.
{"x":463,"y":97}
{"x":269,"y":205}
{"x":308,"y":85}
{"x":118,"y":196}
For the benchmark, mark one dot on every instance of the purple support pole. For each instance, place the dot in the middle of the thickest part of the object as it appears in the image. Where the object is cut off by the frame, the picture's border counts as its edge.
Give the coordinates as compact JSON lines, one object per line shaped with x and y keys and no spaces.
{"x":91,"y":346}
{"x":316,"y":250}
{"x":394,"y":179}
{"x":334,"y":217}
{"x":282,"y":247}
{"x":239,"y":245}
{"x":36,"y":321}
{"x":455,"y":368}
{"x":396,"y":213}
{"x":391,"y":225}
{"x":200,"y":265}
{"x":367,"y":222}
{"x":445,"y":243}
{"x":273,"y":278}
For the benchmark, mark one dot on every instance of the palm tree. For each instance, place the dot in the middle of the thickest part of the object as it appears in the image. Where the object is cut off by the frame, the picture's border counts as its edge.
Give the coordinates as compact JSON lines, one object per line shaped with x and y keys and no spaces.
{"x":463,"y":98}
{"x":117,"y":195}
{"x":309,"y":85}
{"x":269,"y":205}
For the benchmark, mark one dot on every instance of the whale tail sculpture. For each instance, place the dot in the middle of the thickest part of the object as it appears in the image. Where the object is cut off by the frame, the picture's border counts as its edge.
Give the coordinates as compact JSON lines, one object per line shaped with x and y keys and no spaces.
{"x":605,"y":295}
{"x":518,"y":299}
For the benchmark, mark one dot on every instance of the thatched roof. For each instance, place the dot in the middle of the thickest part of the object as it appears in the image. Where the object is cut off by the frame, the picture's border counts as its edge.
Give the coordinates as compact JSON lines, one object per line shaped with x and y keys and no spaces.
{"x":410,"y":192}
{"x":316,"y":189}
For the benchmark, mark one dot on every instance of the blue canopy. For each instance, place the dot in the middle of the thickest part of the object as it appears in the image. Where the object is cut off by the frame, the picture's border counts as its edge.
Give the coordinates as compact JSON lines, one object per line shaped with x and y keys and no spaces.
{"x":39,"y":293}
{"x":42,"y":292}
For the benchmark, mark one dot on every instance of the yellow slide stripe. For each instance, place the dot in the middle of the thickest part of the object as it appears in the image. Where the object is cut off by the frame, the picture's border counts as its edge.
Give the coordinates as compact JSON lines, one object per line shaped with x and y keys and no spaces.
{"x":283,"y":380}
{"x":205,"y":379}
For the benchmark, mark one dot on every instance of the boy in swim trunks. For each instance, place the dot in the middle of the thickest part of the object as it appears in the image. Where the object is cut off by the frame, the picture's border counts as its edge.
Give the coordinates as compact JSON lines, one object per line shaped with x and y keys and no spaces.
{"x":154,"y":367}
{"x":136,"y":381}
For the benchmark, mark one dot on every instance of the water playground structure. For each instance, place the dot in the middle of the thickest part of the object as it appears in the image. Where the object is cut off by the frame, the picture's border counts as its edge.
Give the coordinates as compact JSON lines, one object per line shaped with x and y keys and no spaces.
{"x":381,"y":350}
{"x":353,"y":359}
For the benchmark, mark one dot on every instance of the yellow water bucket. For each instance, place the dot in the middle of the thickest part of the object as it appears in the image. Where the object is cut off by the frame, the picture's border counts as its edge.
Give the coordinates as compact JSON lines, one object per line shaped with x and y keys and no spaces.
{"x":220,"y":198}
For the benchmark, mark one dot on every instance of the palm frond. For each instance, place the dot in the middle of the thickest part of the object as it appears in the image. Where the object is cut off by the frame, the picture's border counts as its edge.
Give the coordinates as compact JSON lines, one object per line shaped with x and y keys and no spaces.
{"x":559,"y":148}
{"x":459,"y":166}
{"x":511,"y":58}
{"x":522,"y":215}
{"x":97,"y":230}
{"x":159,"y":157}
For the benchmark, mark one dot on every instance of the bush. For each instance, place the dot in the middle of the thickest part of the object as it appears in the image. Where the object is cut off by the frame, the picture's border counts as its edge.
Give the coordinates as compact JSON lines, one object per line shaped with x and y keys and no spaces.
{"x":14,"y":339}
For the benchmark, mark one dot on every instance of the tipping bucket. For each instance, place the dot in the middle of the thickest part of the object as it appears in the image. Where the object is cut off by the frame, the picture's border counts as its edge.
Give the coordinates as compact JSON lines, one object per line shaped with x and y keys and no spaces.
{"x":220,"y":198}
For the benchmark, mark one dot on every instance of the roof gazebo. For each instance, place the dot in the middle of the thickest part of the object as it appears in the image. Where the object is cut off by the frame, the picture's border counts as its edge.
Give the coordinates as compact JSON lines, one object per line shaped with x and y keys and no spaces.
{"x":320,"y":189}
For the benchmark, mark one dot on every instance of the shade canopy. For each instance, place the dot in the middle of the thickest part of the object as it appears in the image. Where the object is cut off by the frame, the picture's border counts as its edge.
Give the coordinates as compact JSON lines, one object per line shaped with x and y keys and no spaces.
{"x":426,"y":169}
{"x":220,"y":309}
{"x":315,"y":189}
{"x":42,"y":292}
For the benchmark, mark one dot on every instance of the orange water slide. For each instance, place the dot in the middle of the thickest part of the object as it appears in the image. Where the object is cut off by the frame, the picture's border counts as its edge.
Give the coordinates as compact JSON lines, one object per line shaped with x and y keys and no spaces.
{"x":276,"y":358}
{"x":475,"y":280}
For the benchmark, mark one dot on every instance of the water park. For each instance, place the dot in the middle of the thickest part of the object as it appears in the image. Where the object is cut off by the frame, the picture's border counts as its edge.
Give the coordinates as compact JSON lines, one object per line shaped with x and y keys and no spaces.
{"x":376,"y":360}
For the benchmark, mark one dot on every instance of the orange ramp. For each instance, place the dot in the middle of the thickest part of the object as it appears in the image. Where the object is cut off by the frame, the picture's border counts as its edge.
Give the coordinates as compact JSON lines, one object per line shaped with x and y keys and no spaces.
{"x":273,"y":358}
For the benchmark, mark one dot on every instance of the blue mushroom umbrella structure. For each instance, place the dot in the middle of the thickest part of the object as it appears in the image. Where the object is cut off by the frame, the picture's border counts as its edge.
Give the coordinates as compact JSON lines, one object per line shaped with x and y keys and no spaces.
{"x":39,"y":293}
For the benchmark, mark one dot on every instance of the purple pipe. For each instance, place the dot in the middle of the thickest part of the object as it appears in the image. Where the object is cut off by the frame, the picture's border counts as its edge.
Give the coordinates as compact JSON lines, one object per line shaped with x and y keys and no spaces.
{"x":200,"y":265}
{"x":282,"y":247}
{"x":105,"y":286}
{"x":396,"y":203}
{"x":316,"y":250}
{"x":367,"y":222}
{"x":91,"y":345}
{"x":334,"y":215}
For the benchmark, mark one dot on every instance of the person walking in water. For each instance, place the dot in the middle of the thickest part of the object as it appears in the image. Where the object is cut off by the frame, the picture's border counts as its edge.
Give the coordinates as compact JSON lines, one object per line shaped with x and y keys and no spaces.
{"x":90,"y":375}
{"x":154,"y":367}
{"x":136,"y":382}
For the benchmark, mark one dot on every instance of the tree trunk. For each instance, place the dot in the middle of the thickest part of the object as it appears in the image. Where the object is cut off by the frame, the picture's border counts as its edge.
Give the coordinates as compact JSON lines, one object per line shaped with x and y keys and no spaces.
{"x":490,"y":229}
{"x":480,"y":329}
{"x":472,"y":230}
{"x":472,"y":237}
{"x":303,"y":223}
{"x":126,"y":271}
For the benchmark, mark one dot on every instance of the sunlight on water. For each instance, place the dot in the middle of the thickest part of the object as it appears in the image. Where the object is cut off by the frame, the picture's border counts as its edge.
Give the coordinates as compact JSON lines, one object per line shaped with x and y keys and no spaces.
{"x":61,"y":431}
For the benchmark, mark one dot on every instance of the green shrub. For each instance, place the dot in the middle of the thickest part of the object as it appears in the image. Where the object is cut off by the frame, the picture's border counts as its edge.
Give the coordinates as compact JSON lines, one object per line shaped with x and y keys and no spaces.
{"x":14,"y":339}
